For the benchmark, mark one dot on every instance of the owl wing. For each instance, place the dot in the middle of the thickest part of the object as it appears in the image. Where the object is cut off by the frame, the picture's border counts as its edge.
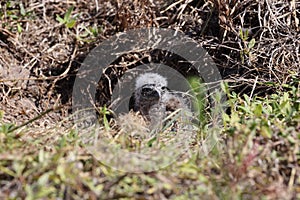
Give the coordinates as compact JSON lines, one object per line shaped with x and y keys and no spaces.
{"x":175,"y":100}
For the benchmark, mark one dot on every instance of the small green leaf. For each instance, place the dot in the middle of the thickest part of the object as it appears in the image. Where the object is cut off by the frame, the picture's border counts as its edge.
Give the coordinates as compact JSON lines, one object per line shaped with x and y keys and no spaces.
{"x":1,"y":114}
{"x":241,"y":33}
{"x":43,"y":179}
{"x":19,"y":28}
{"x":247,"y":99}
{"x":285,"y":96}
{"x":258,"y":110}
{"x":251,"y":43}
{"x":103,"y":111}
{"x":95,"y":30}
{"x":266,"y":132}
{"x":44,"y":192}
{"x":71,"y":23}
{"x":151,"y":141}
{"x":41,"y":157}
{"x":6,"y":170}
{"x":14,"y":16}
{"x":18,"y":168}
{"x":22,"y":9}
{"x":226,"y":117}
{"x":68,"y":14}
{"x":60,"y":170}
{"x":29,"y":192}
{"x":234,"y":118}
{"x":59,"y":19}
{"x":5,"y":128}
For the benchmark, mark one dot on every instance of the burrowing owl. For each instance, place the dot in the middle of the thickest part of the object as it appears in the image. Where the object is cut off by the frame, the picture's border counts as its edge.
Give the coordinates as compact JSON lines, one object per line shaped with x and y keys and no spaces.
{"x":153,"y":99}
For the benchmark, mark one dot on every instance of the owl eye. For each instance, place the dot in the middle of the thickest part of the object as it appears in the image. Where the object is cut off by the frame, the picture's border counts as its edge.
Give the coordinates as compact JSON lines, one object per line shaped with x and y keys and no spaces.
{"x":165,"y":88}
{"x":149,"y":92}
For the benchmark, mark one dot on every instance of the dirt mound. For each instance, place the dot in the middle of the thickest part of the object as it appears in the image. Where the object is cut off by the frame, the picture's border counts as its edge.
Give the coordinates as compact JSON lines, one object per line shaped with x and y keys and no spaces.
{"x":255,"y":44}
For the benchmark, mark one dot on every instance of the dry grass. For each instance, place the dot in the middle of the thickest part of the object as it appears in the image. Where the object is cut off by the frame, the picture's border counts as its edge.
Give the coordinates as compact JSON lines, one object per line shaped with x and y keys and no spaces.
{"x":41,"y":55}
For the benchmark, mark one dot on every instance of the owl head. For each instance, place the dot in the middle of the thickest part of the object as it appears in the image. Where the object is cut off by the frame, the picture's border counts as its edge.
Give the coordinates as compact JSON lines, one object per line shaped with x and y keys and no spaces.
{"x":153,"y":99}
{"x":149,"y":89}
{"x":150,"y":79}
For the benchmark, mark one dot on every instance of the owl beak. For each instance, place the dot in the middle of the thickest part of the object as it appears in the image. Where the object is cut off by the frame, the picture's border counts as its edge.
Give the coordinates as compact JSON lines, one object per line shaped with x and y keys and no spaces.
{"x":150,"y":93}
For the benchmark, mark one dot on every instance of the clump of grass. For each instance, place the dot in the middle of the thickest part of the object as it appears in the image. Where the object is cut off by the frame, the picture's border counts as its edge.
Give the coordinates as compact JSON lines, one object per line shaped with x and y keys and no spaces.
{"x":255,"y":131}
{"x":259,"y":158}
{"x":67,"y":20}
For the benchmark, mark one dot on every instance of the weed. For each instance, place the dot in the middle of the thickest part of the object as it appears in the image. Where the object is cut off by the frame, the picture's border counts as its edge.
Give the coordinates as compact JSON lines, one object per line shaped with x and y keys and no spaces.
{"x":248,"y":46}
{"x":68,"y":20}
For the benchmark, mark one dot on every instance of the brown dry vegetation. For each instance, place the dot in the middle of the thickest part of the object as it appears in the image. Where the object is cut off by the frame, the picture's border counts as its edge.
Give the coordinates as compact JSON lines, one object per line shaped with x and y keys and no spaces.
{"x":39,"y":58}
{"x":39,"y":62}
